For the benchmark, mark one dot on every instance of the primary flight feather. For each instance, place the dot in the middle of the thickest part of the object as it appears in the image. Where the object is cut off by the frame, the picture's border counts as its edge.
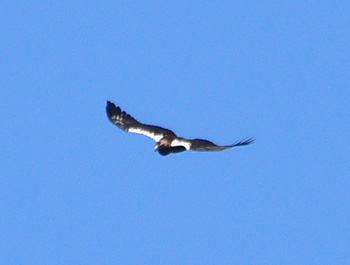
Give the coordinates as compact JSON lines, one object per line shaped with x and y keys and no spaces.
{"x":166,"y":141}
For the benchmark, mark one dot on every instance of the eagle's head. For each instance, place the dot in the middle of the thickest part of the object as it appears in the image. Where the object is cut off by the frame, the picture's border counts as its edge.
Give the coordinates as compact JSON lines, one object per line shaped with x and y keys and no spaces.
{"x":164,"y":142}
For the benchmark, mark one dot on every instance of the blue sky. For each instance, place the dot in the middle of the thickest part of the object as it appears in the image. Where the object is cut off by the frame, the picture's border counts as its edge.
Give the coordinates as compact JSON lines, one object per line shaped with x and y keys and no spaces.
{"x":74,"y":189}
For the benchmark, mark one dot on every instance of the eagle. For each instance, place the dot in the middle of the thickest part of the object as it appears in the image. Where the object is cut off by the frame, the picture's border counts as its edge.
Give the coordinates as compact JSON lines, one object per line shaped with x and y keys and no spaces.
{"x":166,"y":140}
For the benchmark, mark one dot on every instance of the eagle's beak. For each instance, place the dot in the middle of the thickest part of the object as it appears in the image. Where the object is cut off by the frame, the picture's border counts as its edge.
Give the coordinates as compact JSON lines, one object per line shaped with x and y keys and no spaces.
{"x":156,"y":147}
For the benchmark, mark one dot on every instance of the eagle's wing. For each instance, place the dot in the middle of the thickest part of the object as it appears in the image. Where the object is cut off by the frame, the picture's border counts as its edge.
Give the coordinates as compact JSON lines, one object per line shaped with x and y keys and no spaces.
{"x":127,"y":123}
{"x":204,"y":145}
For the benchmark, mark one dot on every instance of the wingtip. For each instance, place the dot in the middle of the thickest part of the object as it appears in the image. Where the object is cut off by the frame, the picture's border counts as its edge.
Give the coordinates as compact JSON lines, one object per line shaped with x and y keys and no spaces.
{"x":111,"y":105}
{"x":112,"y":109}
{"x":250,"y":140}
{"x":246,"y":141}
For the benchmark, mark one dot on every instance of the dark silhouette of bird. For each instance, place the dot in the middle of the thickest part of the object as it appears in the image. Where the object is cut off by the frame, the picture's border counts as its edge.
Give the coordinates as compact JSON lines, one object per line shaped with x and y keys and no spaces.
{"x":166,"y":140}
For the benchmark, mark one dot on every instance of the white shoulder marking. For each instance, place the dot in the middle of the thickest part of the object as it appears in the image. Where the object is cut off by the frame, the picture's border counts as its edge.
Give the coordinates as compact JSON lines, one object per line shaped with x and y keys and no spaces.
{"x":181,"y":142}
{"x":155,"y":137}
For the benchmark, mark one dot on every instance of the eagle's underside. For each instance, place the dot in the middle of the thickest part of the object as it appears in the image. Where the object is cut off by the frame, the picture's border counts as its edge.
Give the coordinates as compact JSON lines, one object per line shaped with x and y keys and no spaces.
{"x":166,"y":140}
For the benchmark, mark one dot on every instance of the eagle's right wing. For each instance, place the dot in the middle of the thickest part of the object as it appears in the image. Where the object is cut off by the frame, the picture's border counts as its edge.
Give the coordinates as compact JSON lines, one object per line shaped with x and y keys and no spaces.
{"x":127,"y":123}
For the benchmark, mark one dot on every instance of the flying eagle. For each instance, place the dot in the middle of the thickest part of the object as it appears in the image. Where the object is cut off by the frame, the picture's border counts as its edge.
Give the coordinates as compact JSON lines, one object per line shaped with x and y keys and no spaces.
{"x":166,"y":141}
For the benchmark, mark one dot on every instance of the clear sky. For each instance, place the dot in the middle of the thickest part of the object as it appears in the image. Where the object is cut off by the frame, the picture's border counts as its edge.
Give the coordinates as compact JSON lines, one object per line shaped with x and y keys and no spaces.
{"x":74,"y":189}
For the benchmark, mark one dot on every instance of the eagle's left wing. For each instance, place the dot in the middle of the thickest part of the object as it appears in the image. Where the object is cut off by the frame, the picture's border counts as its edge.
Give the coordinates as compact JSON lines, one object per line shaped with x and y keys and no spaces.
{"x":127,"y":123}
{"x":204,"y":145}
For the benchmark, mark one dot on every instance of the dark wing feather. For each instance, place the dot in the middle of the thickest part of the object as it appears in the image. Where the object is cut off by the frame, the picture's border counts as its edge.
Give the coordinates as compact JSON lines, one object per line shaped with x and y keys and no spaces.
{"x":127,"y":123}
{"x":244,"y":142}
{"x":204,"y":145}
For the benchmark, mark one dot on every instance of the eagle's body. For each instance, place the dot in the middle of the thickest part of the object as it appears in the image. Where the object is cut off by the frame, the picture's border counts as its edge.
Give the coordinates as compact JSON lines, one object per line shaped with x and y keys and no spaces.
{"x":166,"y":141}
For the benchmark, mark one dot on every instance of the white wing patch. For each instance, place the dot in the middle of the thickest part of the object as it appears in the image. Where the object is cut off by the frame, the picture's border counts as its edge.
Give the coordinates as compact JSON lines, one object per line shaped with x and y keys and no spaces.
{"x":155,"y":137}
{"x":181,"y":142}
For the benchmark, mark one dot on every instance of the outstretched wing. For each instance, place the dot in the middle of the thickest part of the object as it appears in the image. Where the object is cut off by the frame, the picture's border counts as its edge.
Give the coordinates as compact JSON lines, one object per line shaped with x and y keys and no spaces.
{"x":204,"y":145}
{"x":127,"y":123}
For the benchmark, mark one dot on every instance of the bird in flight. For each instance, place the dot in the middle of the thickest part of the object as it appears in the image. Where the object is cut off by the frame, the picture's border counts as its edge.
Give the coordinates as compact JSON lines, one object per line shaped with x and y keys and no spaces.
{"x":166,"y":141}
